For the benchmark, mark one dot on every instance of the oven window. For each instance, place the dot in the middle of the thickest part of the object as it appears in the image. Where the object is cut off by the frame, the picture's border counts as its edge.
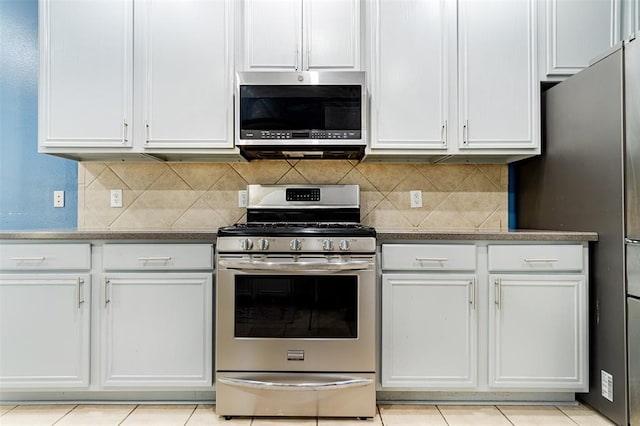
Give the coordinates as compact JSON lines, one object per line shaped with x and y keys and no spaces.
{"x":277,"y":306}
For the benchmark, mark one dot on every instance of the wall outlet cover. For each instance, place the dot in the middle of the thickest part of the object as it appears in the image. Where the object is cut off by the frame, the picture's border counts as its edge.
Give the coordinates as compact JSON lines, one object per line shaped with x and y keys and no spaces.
{"x":416,"y":199}
{"x":116,"y":198}
{"x":242,"y":198}
{"x":58,"y":198}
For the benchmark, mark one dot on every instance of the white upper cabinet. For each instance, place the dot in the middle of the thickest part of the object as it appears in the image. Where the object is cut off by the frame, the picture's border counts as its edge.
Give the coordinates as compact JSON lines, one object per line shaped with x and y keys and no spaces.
{"x":126,"y":78}
{"x":498,"y":96}
{"x":630,"y":18}
{"x":577,"y":31}
{"x":273,"y":34}
{"x":86,"y":73}
{"x":457,"y":82}
{"x":331,"y":34}
{"x":299,"y":35}
{"x":186,"y":73}
{"x":411,"y":74}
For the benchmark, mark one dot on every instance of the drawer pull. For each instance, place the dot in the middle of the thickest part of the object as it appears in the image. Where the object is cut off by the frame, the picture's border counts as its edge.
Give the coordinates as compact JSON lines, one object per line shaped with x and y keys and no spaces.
{"x":432,"y":259}
{"x":29,"y":259}
{"x":540,"y":260}
{"x":155,"y":259}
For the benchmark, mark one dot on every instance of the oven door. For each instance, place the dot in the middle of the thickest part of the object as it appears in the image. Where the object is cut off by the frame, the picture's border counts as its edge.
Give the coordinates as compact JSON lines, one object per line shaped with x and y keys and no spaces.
{"x":304,"y":313}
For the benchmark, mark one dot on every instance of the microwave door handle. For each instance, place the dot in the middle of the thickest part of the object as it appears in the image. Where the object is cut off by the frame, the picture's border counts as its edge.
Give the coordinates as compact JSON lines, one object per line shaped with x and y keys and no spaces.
{"x":295,"y":266}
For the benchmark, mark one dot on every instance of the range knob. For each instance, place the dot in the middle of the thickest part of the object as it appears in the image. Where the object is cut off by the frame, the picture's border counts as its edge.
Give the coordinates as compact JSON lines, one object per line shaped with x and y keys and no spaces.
{"x":295,"y":245}
{"x":344,"y":245}
{"x":263,"y":244}
{"x":327,"y":245}
{"x":246,"y":244}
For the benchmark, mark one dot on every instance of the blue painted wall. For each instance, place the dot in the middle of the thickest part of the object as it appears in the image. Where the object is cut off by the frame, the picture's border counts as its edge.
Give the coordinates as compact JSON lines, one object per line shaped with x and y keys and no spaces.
{"x":27,"y":179}
{"x":513,"y":224}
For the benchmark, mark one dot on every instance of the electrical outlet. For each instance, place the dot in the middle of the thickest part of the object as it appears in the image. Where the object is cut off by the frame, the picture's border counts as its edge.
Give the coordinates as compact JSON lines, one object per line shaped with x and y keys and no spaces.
{"x":416,"y":199}
{"x":242,"y":198}
{"x":58,"y":198}
{"x":116,"y":198}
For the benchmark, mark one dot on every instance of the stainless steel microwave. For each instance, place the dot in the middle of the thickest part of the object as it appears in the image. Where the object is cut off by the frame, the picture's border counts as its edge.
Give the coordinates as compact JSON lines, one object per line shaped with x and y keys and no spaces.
{"x":301,"y":115}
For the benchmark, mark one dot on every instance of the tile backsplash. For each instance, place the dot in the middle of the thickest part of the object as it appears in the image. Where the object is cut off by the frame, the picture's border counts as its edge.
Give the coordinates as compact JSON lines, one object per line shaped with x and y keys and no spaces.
{"x":204,"y":196}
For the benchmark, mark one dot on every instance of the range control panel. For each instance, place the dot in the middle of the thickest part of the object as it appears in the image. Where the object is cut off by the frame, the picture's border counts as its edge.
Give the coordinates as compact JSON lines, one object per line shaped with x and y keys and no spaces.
{"x":303,"y":194}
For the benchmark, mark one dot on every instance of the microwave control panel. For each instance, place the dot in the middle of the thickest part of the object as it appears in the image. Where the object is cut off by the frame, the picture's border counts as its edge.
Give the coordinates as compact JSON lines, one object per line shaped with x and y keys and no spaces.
{"x":300,"y":134}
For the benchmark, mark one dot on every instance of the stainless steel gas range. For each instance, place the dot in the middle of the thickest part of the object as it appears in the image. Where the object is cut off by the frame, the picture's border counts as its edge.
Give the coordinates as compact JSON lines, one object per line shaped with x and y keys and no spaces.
{"x":295,"y":318}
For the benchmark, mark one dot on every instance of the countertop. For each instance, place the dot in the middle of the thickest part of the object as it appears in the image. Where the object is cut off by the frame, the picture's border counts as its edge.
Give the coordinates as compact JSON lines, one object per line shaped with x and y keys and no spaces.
{"x":384,"y":235}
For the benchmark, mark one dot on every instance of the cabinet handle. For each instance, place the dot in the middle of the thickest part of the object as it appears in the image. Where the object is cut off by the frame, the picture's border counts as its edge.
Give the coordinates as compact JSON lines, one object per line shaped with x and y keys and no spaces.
{"x":106,"y":292}
{"x":29,"y":259}
{"x":465,"y":132}
{"x":533,"y":260}
{"x":155,"y":259}
{"x":432,"y":259}
{"x":80,"y":299}
{"x":308,"y":58}
{"x":472,"y":301}
{"x":125,"y":132}
{"x":296,"y":57}
{"x":498,"y":300}
{"x":443,"y":134}
{"x":147,"y":131}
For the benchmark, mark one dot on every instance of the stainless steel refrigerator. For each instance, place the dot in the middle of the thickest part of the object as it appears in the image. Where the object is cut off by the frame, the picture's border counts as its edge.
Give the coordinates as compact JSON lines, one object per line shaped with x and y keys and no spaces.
{"x":588,"y":179}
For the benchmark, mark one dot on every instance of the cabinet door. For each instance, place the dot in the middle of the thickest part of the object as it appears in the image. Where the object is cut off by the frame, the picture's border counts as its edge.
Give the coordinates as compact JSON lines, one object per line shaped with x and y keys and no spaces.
{"x":44,"y":330}
{"x":186,"y":76}
{"x":86,"y":73}
{"x":411,"y":73}
{"x":157,"y":329}
{"x":579,"y":31}
{"x":497,"y":81}
{"x":272,"y":35}
{"x":538,"y":332}
{"x":331,"y":34}
{"x":429,"y":331}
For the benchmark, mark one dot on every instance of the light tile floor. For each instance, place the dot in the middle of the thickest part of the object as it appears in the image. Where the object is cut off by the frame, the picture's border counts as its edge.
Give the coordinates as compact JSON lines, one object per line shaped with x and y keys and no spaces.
{"x":388,"y":415}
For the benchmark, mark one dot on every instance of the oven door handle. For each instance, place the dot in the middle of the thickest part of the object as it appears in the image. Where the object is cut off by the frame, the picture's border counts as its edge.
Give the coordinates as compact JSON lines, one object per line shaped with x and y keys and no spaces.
{"x":295,"y":266}
{"x":341,"y":383}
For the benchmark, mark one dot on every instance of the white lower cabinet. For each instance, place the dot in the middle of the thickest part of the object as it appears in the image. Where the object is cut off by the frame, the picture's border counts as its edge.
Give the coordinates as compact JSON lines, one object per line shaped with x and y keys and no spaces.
{"x":44,"y":316}
{"x":538,"y":317}
{"x":157,"y":329}
{"x":429,"y":330}
{"x":157,"y":316}
{"x":429,"y":316}
{"x":516,"y":320}
{"x":51,"y":347}
{"x":537,"y":331}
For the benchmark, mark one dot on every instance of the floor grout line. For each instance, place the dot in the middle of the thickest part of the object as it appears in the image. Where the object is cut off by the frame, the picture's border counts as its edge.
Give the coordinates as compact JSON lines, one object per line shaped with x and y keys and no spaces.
{"x":378,"y":412}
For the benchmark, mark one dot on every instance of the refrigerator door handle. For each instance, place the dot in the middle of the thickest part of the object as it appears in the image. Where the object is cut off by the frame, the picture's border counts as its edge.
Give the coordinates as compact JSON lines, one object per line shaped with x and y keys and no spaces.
{"x":632,"y":242}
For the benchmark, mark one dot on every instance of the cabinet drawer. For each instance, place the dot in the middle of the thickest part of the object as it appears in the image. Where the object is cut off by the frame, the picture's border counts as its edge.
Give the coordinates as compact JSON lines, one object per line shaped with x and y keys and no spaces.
{"x":158,"y":256}
{"x":429,"y":257}
{"x":535,"y":258}
{"x":30,"y":257}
